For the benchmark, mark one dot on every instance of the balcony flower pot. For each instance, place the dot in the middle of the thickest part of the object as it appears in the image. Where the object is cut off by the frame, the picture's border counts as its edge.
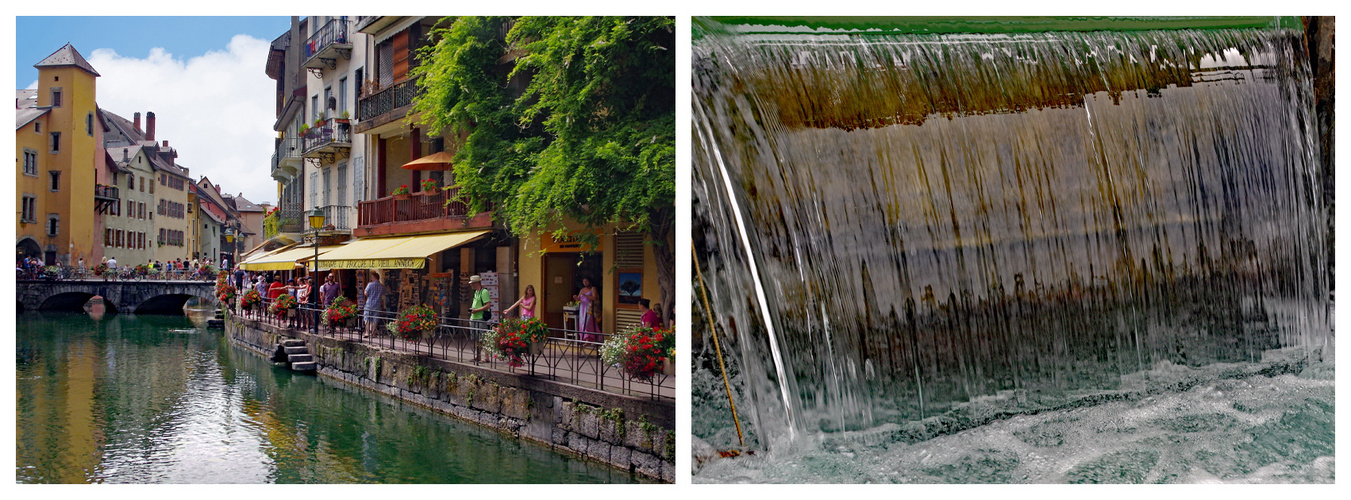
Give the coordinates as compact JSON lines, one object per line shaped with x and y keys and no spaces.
{"x":537,"y":348}
{"x":668,"y":367}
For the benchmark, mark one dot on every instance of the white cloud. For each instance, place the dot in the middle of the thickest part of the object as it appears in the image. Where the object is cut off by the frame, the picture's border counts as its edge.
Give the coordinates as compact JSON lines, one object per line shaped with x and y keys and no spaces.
{"x":215,"y":109}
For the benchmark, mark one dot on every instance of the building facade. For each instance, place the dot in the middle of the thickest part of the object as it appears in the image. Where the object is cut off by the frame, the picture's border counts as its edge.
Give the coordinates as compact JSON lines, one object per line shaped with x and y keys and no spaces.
{"x":173,"y":226}
{"x":369,"y":129}
{"x":56,"y":149}
{"x":334,"y":59}
{"x":129,"y":227}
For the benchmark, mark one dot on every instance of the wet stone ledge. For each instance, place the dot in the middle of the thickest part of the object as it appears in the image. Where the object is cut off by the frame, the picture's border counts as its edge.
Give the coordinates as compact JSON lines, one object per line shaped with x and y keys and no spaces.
{"x":620,"y":431}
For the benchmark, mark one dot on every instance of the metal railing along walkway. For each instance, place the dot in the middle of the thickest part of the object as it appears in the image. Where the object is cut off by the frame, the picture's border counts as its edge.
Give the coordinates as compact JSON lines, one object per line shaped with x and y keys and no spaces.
{"x":566,"y":356}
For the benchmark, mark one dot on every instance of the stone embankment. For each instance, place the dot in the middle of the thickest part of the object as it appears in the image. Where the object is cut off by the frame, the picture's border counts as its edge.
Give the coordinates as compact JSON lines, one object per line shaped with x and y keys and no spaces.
{"x":629,"y":433}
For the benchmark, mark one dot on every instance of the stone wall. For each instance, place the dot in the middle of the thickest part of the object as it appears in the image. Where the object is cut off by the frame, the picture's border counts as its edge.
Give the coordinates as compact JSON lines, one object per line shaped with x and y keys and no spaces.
{"x":628,"y":433}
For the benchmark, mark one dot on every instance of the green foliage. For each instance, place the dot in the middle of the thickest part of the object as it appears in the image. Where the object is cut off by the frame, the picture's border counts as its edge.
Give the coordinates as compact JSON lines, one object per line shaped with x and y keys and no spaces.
{"x":590,"y":138}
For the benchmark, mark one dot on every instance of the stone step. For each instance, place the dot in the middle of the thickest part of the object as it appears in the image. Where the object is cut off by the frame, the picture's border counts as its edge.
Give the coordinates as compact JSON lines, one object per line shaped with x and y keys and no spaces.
{"x":292,"y":342}
{"x":300,"y":358}
{"x":297,"y":350}
{"x":307,"y":366}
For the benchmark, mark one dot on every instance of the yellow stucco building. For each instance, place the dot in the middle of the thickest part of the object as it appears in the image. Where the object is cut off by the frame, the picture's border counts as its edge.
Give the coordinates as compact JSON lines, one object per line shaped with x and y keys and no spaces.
{"x":56,"y":147}
{"x":623,"y":268}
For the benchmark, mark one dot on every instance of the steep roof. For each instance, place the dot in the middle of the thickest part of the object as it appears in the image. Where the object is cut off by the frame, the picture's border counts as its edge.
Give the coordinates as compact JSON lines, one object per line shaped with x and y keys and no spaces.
{"x":206,"y":190}
{"x":168,"y":166}
{"x":26,"y":107}
{"x":214,"y":217}
{"x":24,"y":116}
{"x":116,"y":154}
{"x":243,"y":205}
{"x":121,"y":132}
{"x":25,"y":98}
{"x":66,"y":56}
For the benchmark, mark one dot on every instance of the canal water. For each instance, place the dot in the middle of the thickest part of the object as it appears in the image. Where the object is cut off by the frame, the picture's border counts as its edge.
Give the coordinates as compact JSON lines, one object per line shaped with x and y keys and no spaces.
{"x":909,"y":240}
{"x":156,"y":399}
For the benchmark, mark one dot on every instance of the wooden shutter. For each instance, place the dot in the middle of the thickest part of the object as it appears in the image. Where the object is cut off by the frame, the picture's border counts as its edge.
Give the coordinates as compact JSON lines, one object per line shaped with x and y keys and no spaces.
{"x":401,"y":59}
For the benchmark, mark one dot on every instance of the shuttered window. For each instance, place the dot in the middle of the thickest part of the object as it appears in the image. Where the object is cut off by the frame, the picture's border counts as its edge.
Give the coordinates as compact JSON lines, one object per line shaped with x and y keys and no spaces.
{"x":401,"y":56}
{"x":629,"y":250}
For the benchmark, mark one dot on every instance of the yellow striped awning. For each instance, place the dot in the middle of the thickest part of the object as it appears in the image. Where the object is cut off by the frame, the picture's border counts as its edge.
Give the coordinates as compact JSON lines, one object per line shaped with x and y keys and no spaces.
{"x":403,"y":252}
{"x":262,"y":255}
{"x":285,"y":260}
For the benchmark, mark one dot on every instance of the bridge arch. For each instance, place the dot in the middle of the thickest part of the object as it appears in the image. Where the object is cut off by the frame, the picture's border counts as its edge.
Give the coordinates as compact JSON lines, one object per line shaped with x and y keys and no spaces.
{"x":168,"y":303}
{"x":71,"y":301}
{"x":145,"y":297}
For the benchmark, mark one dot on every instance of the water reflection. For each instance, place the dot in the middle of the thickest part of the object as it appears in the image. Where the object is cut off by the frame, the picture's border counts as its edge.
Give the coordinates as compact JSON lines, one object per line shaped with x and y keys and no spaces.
{"x":156,"y":400}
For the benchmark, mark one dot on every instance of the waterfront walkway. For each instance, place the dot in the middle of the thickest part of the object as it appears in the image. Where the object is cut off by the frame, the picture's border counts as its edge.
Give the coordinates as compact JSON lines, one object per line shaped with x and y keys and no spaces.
{"x":565,"y":357}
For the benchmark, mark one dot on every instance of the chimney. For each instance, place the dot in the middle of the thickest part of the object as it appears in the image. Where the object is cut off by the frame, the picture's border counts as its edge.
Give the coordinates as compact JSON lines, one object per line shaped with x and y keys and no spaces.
{"x":149,"y":125}
{"x":137,"y":122}
{"x":126,"y":157}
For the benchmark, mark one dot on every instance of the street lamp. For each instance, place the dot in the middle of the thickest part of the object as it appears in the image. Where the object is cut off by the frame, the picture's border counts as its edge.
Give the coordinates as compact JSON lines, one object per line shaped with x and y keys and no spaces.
{"x":230,"y":238}
{"x":316,"y":222}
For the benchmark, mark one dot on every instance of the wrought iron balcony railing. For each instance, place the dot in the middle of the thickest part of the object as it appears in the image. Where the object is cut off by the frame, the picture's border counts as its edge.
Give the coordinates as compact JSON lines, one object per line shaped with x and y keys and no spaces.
{"x":288,"y":219}
{"x":327,"y":138}
{"x":386,"y":100}
{"x":105,"y":197}
{"x":333,"y":33}
{"x":102,"y":191}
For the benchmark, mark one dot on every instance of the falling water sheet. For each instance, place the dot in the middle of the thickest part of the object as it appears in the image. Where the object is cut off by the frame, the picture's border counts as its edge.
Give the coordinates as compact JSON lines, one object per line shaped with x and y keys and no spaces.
{"x":896,"y":228}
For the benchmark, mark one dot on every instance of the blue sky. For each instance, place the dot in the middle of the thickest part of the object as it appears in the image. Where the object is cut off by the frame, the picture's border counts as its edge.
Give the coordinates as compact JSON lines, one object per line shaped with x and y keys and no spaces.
{"x":203,"y":77}
{"x":132,"y":36}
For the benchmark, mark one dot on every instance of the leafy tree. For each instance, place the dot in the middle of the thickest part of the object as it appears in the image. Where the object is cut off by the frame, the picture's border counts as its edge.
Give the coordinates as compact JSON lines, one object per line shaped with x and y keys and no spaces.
{"x":560,"y":118}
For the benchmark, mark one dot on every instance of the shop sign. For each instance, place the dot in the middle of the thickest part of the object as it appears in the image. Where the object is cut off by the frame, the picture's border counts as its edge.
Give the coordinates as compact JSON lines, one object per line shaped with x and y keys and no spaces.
{"x":412,"y":263}
{"x":570,"y":243}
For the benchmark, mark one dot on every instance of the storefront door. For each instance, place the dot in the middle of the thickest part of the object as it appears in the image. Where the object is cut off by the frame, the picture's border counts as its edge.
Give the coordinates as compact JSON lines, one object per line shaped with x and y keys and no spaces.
{"x":558,"y":291}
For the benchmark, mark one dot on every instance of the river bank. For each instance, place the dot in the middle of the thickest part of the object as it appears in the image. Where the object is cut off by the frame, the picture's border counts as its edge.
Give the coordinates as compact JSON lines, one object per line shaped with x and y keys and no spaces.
{"x":628,"y":433}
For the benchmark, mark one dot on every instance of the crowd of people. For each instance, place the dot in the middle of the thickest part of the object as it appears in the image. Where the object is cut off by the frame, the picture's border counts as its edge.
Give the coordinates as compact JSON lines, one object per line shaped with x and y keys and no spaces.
{"x":29,"y":268}
{"x":371,"y":301}
{"x":33,"y":268}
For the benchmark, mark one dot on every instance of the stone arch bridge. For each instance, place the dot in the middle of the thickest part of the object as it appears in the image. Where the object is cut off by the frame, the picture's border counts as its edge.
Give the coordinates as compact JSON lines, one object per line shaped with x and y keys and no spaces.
{"x":139,"y":296}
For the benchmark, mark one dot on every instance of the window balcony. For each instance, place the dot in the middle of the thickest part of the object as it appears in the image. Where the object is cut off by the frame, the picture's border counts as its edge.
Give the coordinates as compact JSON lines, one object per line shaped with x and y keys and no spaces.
{"x":105,"y":197}
{"x":287,"y":220}
{"x":329,"y":140}
{"x":339,"y":217}
{"x":386,"y":105}
{"x":416,"y":213}
{"x":287,"y":161}
{"x":327,"y":44}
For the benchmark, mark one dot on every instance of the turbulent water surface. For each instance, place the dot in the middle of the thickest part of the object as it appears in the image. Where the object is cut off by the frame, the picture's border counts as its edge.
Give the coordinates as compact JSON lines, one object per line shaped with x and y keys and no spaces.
{"x":965,"y":257}
{"x":154,"y":399}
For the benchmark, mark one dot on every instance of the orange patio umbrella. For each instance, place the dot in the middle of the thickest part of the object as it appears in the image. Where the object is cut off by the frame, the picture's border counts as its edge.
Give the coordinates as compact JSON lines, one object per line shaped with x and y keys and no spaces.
{"x":434,"y":161}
